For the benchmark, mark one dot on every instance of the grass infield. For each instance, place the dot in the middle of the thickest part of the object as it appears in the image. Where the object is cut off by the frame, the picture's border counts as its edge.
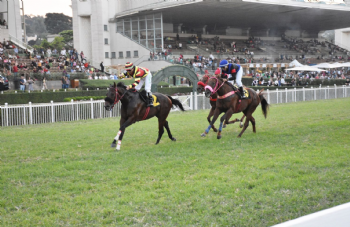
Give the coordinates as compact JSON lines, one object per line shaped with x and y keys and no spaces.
{"x":66,"y":174}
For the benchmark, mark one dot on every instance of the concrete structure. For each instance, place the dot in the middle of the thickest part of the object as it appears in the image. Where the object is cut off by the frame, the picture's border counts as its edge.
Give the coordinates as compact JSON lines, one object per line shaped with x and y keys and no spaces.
{"x":10,"y":11}
{"x":118,"y":31}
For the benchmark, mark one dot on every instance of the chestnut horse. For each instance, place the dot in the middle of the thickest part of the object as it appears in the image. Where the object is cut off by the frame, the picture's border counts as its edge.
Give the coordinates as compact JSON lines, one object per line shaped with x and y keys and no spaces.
{"x":134,"y":109}
{"x":200,"y":88}
{"x":230,"y":103}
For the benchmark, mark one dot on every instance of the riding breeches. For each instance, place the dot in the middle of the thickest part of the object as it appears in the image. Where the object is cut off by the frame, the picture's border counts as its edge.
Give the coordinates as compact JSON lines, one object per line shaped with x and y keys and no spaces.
{"x":147,"y":80}
{"x":239,"y":77}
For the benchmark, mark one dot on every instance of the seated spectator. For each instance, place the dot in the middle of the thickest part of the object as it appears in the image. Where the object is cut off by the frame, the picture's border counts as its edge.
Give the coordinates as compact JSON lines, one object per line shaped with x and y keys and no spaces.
{"x":347,"y":82}
{"x":283,"y":82}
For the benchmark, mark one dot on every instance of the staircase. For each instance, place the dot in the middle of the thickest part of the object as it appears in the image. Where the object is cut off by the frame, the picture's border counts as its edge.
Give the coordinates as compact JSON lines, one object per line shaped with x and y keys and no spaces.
{"x":21,"y":44}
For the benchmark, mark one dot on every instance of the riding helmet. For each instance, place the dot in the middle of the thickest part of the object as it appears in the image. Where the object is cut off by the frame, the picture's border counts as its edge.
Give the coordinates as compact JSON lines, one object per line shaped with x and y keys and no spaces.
{"x":223,"y":63}
{"x":129,"y":66}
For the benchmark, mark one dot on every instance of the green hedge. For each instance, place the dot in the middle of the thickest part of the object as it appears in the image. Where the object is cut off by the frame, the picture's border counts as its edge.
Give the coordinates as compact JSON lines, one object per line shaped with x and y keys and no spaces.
{"x":103,"y":84}
{"x":46,"y":97}
{"x":52,"y":76}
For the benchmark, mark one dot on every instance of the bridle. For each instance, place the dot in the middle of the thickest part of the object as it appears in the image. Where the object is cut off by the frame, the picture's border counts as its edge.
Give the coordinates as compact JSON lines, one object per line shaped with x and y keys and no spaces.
{"x":118,"y":97}
{"x":216,"y":88}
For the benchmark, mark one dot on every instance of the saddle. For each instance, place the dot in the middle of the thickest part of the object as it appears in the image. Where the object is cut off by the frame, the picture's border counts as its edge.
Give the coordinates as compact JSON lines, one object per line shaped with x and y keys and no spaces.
{"x":144,"y":97}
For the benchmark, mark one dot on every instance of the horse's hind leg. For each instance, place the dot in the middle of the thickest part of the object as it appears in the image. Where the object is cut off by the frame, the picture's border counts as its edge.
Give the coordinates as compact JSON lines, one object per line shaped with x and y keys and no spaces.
{"x":252,"y":120}
{"x":241,"y":122}
{"x":160,"y":129}
{"x":246,"y":124}
{"x":166,"y":125}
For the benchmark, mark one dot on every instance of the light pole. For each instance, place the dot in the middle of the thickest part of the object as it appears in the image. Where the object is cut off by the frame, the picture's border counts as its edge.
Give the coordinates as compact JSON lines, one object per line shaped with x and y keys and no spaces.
{"x":24,"y":24}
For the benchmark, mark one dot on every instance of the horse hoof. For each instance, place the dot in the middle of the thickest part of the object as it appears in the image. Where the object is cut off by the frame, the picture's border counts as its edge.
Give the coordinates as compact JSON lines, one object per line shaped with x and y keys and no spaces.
{"x":113,"y":145}
{"x":215,"y":130}
{"x":224,"y":126}
{"x":241,"y":125}
{"x":238,"y":136}
{"x":203,"y":135}
{"x":173,"y":139}
{"x":218,"y":137}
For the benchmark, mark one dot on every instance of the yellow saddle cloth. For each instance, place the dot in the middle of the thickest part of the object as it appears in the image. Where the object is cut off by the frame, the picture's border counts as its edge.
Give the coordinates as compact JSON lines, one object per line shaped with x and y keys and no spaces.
{"x":155,"y":101}
{"x":246,"y":93}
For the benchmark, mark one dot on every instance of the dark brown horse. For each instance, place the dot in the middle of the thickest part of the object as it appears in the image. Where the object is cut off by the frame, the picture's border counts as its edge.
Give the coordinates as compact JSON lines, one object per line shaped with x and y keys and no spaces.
{"x":134,"y":109}
{"x":201,"y":88}
{"x":230,"y":103}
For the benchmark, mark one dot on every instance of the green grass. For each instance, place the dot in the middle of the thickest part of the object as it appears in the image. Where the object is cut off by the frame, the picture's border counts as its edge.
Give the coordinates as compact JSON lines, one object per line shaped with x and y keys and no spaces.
{"x":65,"y":174}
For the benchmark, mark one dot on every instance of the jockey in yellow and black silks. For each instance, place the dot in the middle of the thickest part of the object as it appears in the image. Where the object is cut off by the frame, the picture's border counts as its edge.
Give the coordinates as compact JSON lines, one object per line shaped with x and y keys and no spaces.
{"x":142,"y":76}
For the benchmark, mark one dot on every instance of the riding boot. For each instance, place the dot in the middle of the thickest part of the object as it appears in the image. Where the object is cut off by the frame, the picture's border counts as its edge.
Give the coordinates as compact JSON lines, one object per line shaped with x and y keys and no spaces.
{"x":150,"y":100}
{"x":242,"y":93}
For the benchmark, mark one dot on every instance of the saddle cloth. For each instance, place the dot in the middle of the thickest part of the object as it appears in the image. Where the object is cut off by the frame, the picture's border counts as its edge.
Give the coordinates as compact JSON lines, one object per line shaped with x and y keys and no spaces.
{"x":244,"y":90}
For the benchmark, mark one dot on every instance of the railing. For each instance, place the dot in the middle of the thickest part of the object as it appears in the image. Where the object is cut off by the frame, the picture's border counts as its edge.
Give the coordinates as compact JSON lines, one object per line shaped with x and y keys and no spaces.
{"x":27,"y":114}
{"x":21,"y":44}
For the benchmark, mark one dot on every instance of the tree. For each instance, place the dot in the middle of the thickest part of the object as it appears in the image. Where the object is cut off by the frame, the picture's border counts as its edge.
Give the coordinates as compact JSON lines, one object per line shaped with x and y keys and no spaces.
{"x":58,"y":43}
{"x":68,"y":37}
{"x":35,"y":25}
{"x":57,"y":22}
{"x":45,"y":44}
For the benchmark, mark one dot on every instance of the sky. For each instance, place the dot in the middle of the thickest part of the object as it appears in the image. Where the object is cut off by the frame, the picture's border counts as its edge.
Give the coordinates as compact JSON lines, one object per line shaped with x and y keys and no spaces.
{"x":41,"y":7}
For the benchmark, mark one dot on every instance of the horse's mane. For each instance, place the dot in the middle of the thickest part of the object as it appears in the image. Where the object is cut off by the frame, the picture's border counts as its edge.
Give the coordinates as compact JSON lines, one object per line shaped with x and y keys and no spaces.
{"x":121,"y":84}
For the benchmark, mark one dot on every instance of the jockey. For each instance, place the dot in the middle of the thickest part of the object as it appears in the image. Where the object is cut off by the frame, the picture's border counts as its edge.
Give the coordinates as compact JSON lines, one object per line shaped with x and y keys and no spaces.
{"x":141,"y":75}
{"x":232,"y":71}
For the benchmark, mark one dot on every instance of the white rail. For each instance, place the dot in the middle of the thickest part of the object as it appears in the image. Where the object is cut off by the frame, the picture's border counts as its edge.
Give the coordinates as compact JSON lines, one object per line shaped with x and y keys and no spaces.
{"x":12,"y":115}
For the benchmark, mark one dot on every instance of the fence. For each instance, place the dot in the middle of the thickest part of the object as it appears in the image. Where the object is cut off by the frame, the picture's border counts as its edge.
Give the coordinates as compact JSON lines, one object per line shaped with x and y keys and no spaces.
{"x":56,"y":112}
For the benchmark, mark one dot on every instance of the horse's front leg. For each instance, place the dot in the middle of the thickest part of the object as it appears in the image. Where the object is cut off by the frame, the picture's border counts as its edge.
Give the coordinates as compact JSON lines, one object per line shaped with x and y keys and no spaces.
{"x":211,"y":113}
{"x":121,"y":131}
{"x":217,"y":112}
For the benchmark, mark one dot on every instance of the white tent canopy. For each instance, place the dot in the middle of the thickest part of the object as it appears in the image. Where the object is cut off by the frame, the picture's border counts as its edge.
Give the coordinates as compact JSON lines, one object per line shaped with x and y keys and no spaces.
{"x":295,"y":63}
{"x":305,"y":68}
{"x":332,"y":66}
{"x":346,"y":64}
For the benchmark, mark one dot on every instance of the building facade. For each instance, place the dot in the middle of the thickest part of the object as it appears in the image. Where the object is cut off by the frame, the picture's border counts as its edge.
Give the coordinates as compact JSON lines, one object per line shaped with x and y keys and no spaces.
{"x":10,"y":12}
{"x":117,"y":31}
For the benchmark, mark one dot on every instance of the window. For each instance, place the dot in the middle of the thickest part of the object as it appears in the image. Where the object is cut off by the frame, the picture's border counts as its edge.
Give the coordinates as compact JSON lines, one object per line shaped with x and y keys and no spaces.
{"x":105,"y":27}
{"x":113,"y":54}
{"x":106,"y":41}
{"x":136,"y":53}
{"x":121,"y":54}
{"x":106,"y":55}
{"x":128,"y":54}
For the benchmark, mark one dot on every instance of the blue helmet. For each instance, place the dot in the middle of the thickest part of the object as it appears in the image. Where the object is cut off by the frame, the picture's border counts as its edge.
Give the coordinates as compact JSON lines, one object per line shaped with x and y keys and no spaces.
{"x":223,"y":63}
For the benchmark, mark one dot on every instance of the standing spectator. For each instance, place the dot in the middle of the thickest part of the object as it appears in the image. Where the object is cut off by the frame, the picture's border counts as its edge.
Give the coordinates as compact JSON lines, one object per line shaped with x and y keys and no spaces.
{"x":22,"y":84}
{"x":15,"y":70}
{"x":102,"y":67}
{"x":49,"y":52}
{"x":15,"y":50}
{"x":63,"y":80}
{"x":44,"y":84}
{"x":30,"y":84}
{"x":82,"y":56}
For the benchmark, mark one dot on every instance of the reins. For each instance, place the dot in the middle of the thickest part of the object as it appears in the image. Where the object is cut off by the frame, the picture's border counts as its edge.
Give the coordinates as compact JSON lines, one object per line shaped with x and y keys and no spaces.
{"x":216,"y":88}
{"x":116,"y":100}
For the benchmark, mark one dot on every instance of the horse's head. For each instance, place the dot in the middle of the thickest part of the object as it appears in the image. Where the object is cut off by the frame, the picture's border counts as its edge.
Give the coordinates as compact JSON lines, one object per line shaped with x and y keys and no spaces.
{"x":202,"y":83}
{"x":213,"y":85}
{"x":114,"y":95}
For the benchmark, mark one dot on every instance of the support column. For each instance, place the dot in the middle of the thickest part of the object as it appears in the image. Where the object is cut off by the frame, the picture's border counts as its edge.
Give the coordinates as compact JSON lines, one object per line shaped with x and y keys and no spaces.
{"x":179,"y":28}
{"x":205,"y":29}
{"x":267,"y":32}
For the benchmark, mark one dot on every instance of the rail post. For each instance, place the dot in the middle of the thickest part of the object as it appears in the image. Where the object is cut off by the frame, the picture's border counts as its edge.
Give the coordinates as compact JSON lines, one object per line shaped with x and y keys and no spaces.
{"x":30,"y":113}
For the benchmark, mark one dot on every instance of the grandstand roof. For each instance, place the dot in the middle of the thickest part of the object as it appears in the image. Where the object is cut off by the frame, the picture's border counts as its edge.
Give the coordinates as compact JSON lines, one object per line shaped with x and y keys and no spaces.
{"x":274,"y":15}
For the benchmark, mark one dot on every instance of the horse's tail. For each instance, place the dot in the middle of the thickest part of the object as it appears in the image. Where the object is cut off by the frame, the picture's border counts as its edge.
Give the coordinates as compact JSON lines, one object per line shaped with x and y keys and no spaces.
{"x":264,"y":105}
{"x":176,"y":102}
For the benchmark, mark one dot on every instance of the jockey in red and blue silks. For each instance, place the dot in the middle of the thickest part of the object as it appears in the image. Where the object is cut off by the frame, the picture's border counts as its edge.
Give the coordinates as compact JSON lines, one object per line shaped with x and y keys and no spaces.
{"x":231,"y":72}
